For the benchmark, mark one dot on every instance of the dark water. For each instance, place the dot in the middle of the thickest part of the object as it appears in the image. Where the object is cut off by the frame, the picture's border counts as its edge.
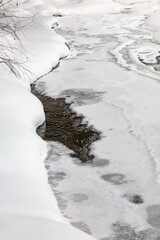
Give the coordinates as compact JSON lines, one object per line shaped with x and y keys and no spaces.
{"x":67,"y":127}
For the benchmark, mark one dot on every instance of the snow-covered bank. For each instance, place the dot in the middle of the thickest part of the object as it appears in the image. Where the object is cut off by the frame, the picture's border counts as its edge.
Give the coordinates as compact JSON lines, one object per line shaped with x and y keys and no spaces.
{"x":28,"y":208}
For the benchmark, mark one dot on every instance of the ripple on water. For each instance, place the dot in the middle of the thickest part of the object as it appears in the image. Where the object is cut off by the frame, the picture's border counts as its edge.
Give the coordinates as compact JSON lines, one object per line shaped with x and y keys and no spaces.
{"x":67,"y":127}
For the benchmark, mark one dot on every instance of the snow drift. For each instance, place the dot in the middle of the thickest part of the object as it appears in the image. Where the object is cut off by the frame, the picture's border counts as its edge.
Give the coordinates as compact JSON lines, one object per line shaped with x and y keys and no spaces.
{"x":28,"y":209}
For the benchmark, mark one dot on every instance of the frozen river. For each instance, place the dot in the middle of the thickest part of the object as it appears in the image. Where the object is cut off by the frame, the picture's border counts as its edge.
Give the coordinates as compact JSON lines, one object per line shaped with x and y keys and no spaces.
{"x":112,"y":79}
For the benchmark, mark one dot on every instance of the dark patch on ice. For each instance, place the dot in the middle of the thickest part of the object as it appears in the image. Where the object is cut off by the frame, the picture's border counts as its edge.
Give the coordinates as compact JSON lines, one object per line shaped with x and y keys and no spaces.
{"x":154,"y":216}
{"x":94,"y":163}
{"x":105,"y":238}
{"x":54,"y":25}
{"x":100,"y":162}
{"x":61,"y":201}
{"x":50,"y":179}
{"x":55,"y":177}
{"x":67,"y":127}
{"x":151,"y":234}
{"x":57,"y":14}
{"x":47,"y":166}
{"x":79,"y":197}
{"x":123,"y":231}
{"x":115,"y":178}
{"x":82,"y":226}
{"x":136,"y":199}
{"x":59,"y":176}
{"x":82,"y":96}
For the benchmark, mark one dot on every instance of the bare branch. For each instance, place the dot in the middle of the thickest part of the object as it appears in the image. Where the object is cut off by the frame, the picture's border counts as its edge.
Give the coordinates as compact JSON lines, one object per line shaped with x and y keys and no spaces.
{"x":10,"y":25}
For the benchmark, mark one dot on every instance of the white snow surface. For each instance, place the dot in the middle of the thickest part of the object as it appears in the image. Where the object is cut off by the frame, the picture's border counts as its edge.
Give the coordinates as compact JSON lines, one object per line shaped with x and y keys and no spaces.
{"x":109,"y":49}
{"x":153,"y":25}
{"x":28,"y":208}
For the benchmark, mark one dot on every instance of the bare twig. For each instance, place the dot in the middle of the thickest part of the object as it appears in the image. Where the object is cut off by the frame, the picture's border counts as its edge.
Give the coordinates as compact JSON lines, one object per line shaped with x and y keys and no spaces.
{"x":10,"y":25}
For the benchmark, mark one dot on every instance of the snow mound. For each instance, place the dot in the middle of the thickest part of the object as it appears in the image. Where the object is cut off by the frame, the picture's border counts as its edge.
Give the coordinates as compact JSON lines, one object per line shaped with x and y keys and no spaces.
{"x":28,"y":209}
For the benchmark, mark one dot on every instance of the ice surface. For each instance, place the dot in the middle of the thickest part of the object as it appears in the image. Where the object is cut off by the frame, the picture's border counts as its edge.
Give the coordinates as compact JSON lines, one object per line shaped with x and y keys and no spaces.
{"x":113,"y":54}
{"x":86,"y":6}
{"x":153,"y":24}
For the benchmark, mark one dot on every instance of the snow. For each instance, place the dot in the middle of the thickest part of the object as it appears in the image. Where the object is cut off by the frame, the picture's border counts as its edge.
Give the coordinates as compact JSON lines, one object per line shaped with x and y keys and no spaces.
{"x":108,"y":54}
{"x":28,"y":208}
{"x":134,"y":2}
{"x":86,"y":6}
{"x":109,"y":48}
{"x":152,"y":24}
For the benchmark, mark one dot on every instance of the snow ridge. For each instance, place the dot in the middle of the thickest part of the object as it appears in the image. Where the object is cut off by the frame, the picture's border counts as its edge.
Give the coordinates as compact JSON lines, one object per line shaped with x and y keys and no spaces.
{"x":28,"y":209}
